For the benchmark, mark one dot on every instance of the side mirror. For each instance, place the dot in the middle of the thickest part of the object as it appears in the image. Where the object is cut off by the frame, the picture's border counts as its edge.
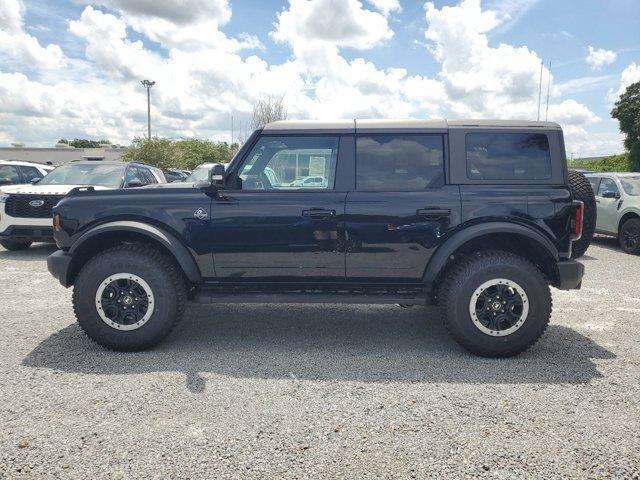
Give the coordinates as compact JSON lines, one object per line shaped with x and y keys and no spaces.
{"x":5,"y":181}
{"x":133,"y":184}
{"x":216,"y":176}
{"x":34,"y":181}
{"x":610,"y":194}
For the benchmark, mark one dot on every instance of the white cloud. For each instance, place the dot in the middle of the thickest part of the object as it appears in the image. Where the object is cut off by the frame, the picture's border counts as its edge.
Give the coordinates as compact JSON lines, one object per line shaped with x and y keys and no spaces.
{"x":599,"y":57}
{"x":386,"y":6}
{"x":629,"y":75}
{"x":17,"y":45}
{"x":204,"y":75}
{"x":179,"y":12}
{"x":339,"y":23}
{"x":481,"y":80}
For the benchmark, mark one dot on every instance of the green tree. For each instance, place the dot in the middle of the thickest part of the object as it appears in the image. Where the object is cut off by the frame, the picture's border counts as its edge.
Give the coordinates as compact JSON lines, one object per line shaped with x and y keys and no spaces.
{"x":186,"y":153}
{"x":193,"y":152}
{"x":159,"y":152}
{"x":627,"y":112}
{"x":84,"y":143}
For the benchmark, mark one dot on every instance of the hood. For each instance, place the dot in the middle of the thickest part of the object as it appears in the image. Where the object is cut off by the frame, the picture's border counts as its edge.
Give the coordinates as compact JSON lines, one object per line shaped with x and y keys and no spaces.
{"x":43,"y":189}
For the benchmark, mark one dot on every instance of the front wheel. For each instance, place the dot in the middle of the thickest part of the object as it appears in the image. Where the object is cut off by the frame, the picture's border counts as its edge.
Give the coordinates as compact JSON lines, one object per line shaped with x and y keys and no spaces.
{"x":495,"y":304}
{"x":15,"y":246}
{"x":629,"y":236}
{"x":129,"y":297}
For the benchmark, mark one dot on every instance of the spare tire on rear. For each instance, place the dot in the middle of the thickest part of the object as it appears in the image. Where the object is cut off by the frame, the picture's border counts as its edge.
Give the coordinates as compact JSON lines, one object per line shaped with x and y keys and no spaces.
{"x":581,"y":190}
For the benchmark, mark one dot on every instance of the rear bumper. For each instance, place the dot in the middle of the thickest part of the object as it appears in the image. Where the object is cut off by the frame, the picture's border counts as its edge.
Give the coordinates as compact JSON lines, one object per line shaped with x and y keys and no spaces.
{"x":58,"y":264}
{"x":28,"y":233}
{"x":570,"y":274}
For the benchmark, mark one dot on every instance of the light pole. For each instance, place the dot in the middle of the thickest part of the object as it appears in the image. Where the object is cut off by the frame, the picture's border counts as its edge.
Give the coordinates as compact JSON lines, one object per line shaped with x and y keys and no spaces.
{"x":148,"y":84}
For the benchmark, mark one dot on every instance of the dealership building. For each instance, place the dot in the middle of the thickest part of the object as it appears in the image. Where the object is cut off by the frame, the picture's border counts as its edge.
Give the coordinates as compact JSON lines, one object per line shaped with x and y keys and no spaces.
{"x":61,"y":153}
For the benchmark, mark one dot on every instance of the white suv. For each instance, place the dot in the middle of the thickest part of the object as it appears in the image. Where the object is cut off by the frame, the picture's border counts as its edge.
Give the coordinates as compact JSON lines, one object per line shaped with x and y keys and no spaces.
{"x":618,"y":200}
{"x":25,"y":210}
{"x":14,"y":172}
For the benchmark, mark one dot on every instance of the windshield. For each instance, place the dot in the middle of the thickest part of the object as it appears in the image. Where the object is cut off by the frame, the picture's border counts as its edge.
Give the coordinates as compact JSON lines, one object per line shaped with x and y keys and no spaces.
{"x":84,"y":174}
{"x":200,"y":174}
{"x":631,"y":185}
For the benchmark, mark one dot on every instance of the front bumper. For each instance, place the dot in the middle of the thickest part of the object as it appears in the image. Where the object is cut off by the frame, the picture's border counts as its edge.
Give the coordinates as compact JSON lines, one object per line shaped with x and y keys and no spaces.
{"x":570,"y":274}
{"x":28,"y":233}
{"x":58,"y":264}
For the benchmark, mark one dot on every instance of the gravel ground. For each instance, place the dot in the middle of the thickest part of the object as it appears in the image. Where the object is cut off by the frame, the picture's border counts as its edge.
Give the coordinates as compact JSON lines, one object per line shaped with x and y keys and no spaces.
{"x":322,"y":391}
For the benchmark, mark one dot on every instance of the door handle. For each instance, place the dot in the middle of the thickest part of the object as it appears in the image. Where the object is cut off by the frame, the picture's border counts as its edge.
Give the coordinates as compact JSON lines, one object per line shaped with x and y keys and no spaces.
{"x":318,"y":213}
{"x":433,"y":213}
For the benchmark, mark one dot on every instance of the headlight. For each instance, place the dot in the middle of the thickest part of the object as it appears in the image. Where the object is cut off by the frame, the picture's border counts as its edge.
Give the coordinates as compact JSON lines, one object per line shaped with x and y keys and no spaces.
{"x":3,"y":197}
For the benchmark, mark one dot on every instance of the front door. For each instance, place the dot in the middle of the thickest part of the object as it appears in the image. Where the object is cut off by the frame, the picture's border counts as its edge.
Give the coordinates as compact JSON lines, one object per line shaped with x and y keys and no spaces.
{"x":400,"y":207}
{"x":272,"y":223}
{"x":607,"y":219}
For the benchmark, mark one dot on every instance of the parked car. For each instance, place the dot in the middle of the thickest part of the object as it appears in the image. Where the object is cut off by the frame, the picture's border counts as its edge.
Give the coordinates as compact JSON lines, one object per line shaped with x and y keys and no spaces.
{"x":15,"y":173}
{"x":174,"y":175}
{"x":25,"y":210}
{"x":318,"y":182}
{"x":618,"y":201}
{"x":475,"y":216}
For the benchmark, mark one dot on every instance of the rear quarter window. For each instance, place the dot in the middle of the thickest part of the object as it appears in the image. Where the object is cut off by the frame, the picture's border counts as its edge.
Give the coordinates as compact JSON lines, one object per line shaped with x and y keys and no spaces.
{"x":507,"y":156}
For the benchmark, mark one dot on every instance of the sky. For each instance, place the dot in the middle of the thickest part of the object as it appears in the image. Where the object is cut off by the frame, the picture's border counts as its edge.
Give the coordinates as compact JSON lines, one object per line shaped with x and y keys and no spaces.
{"x":72,"y":68}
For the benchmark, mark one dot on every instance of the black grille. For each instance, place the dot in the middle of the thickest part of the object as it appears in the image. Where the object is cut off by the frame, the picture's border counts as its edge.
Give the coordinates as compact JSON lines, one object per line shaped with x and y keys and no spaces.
{"x":18,"y":205}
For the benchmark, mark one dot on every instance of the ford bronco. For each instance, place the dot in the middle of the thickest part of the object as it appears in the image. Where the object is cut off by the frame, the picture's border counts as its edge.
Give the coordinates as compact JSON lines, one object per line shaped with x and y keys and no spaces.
{"x":476,"y":217}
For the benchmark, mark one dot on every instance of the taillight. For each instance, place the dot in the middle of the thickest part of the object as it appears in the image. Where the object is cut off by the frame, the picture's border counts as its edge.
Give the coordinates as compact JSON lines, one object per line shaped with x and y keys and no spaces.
{"x":577,"y":220}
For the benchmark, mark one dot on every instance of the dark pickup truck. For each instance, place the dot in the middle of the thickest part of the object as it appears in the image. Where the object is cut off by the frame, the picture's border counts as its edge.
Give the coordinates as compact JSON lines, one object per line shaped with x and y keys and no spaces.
{"x":475,"y":216}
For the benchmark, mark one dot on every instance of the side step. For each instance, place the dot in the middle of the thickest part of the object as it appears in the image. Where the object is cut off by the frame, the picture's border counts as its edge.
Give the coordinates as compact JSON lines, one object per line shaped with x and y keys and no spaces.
{"x":303,"y":297}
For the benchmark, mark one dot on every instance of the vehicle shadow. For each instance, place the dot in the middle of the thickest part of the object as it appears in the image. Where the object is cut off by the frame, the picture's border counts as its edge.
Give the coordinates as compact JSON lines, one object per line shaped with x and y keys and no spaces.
{"x":37,"y":251}
{"x":610,"y":243}
{"x":326,"y":343}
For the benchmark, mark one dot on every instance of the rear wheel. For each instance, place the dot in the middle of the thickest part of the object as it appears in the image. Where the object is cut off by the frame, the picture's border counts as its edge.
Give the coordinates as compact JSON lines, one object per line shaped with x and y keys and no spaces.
{"x":629,"y":236}
{"x":495,"y":304}
{"x":129,"y":297}
{"x":14,"y":245}
{"x":581,"y":190}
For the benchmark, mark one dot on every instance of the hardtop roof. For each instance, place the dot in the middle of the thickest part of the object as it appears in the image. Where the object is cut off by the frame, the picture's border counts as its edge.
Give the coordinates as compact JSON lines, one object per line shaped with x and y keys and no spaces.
{"x":369,"y":125}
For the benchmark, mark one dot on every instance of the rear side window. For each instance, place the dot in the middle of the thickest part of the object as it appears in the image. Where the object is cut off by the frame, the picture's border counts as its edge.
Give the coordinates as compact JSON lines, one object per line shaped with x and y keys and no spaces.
{"x":29,"y":173}
{"x":508,"y":156}
{"x":399,"y":163}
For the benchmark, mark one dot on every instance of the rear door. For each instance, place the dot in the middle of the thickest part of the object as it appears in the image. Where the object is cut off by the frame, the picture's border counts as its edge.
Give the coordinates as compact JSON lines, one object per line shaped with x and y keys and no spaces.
{"x":269,"y":225}
{"x":401,"y":206}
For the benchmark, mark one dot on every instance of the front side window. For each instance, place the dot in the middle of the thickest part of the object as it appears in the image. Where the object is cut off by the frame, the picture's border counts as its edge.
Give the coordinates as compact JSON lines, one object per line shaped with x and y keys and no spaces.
{"x":508,"y":156}
{"x":607,"y":185}
{"x":290,"y":163}
{"x":86,"y":174}
{"x":399,"y":163}
{"x":631,"y":185}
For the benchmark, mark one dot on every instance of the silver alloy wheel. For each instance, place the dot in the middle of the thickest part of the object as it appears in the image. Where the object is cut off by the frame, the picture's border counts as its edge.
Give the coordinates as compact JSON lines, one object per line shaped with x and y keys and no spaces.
{"x":499,"y":307}
{"x":124,"y":301}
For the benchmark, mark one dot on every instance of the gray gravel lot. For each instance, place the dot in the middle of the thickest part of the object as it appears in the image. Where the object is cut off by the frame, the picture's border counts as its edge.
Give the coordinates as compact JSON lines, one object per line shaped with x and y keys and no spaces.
{"x":322,"y":391}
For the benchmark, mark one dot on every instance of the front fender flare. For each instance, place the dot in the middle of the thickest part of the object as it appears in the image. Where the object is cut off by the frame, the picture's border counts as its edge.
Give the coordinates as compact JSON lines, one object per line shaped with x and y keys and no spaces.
{"x":441,"y":256}
{"x":166,"y":239}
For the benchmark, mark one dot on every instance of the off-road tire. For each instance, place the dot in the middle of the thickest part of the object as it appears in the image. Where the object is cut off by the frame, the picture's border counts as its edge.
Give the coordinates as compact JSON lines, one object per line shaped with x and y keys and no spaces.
{"x":466,"y":275}
{"x":581,"y":190}
{"x":14,"y":246}
{"x":634,"y":224}
{"x":157,"y":269}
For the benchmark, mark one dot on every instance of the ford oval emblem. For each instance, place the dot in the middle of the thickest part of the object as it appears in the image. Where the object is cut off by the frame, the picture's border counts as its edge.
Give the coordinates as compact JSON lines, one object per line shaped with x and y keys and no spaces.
{"x":36,"y":203}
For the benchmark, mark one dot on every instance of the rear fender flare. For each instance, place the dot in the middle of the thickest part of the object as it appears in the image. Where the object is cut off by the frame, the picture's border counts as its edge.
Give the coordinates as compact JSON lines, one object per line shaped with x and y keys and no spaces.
{"x":442,"y":254}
